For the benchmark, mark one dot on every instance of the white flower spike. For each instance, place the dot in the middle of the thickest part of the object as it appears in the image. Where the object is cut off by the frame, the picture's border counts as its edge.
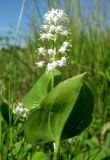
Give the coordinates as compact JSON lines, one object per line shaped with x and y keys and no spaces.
{"x":55,"y":25}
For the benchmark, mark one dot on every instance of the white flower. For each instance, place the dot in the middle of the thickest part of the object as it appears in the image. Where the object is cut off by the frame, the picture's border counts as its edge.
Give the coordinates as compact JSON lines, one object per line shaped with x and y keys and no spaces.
{"x":62,"y":49}
{"x":59,"y":28}
{"x":61,"y":62}
{"x":65,"y":33}
{"x":51,"y":15}
{"x":52,"y":28}
{"x":45,"y":27}
{"x":52,"y":66}
{"x":66,"y":44}
{"x":55,"y":16}
{"x":50,"y":51}
{"x":20,"y":110}
{"x":63,"y":59}
{"x":43,"y":36}
{"x":41,"y":51}
{"x":40,"y":64}
{"x":48,"y":36}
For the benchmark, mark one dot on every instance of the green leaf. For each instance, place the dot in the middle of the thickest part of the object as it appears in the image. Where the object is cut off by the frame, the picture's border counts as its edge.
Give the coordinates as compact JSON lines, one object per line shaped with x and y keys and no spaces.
{"x":39,"y":156}
{"x":68,"y":107}
{"x":83,"y":106}
{"x":17,"y":147}
{"x":38,"y":91}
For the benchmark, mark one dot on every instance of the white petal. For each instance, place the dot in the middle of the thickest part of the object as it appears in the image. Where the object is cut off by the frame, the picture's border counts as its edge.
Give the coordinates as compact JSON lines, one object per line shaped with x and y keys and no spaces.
{"x":40,"y":64}
{"x":62,"y":49}
{"x":50,"y":52}
{"x":41,"y":51}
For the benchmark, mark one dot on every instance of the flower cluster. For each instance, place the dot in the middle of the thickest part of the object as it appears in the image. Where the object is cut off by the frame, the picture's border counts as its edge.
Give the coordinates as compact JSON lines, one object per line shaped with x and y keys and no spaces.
{"x":55,"y":25}
{"x":20,"y":110}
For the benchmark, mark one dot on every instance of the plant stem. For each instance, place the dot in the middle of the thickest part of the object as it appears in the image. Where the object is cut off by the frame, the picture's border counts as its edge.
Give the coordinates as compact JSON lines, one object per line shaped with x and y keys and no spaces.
{"x":54,"y":48}
{"x":52,"y":81}
{"x":11,"y":136}
{"x":56,"y":148}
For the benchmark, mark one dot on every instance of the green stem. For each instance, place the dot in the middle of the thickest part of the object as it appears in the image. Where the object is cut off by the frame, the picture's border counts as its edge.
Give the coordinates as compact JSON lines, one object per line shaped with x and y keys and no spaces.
{"x":56,"y":148}
{"x":10,"y":120}
{"x":11,"y":136}
{"x":54,"y":48}
{"x":52,"y":81}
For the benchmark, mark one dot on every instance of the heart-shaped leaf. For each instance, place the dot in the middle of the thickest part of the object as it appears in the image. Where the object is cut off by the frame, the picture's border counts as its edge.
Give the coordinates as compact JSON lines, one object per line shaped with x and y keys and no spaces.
{"x":68,"y":107}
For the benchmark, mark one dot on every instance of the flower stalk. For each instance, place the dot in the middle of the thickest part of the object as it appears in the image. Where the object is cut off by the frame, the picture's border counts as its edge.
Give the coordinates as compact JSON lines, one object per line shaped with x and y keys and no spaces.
{"x":56,"y":149}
